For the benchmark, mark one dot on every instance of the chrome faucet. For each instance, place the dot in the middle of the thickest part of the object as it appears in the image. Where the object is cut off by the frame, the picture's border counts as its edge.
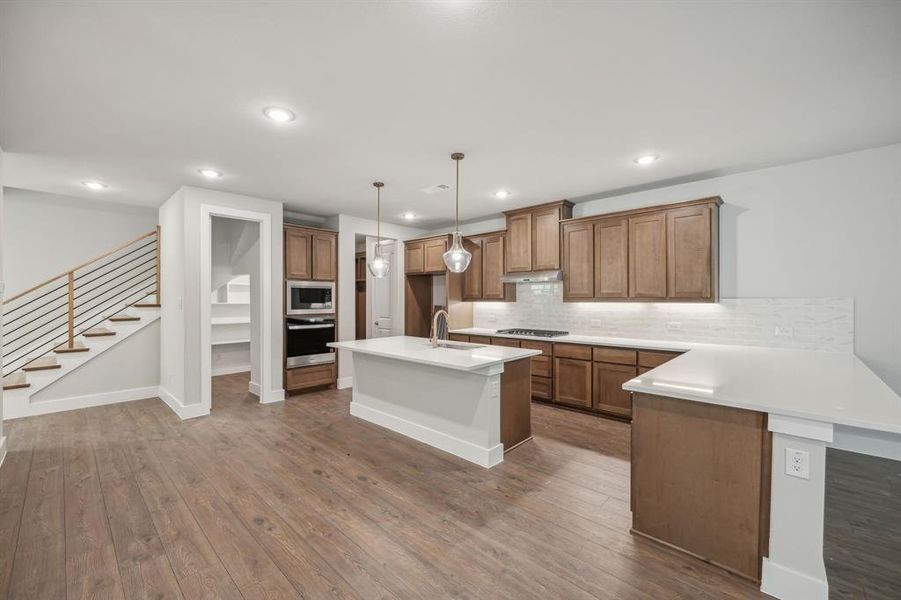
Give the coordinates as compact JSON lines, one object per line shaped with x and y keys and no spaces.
{"x":434,"y":332}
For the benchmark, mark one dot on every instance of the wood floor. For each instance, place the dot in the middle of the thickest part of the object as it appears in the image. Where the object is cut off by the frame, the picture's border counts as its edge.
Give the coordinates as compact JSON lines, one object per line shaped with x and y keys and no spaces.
{"x":300,"y":500}
{"x":862,"y":529}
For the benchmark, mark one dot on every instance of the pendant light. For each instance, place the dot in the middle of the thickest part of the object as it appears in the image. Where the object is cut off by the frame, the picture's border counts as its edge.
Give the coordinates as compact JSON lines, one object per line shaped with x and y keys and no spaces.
{"x":378,"y":266}
{"x":457,"y":258}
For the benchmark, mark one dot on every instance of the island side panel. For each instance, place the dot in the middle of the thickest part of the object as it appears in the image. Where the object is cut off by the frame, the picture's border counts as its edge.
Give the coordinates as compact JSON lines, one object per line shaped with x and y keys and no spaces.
{"x":516,"y":403}
{"x":455,"y":411}
{"x":698,"y":480}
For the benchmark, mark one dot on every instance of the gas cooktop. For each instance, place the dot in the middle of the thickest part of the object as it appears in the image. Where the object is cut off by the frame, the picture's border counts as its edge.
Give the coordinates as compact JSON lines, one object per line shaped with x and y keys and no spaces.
{"x":549,"y":333}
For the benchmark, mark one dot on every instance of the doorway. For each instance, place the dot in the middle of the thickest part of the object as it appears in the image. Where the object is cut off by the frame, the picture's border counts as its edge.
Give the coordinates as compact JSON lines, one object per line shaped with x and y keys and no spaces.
{"x":235,"y":300}
{"x":382,"y":298}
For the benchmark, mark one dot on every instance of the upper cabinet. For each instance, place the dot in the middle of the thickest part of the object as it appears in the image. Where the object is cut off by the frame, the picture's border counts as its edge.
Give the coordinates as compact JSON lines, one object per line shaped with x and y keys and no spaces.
{"x":310,"y":254}
{"x":425,"y":256}
{"x":662,"y":253}
{"x":482,"y":280}
{"x":533,"y":237}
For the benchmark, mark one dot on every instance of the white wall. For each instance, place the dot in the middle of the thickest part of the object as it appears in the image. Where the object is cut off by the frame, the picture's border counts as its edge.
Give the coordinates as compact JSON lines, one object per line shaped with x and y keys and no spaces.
{"x":3,"y":294}
{"x":348,"y":229}
{"x":181,"y":346}
{"x":826,"y":228}
{"x":47,"y":234}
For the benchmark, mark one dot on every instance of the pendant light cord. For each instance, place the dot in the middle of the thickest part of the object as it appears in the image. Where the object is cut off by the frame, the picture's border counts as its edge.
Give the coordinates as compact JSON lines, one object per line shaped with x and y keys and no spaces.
{"x":457,"y":188}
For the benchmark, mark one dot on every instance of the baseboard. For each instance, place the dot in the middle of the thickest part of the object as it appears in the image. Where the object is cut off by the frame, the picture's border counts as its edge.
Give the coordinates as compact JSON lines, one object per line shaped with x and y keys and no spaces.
{"x":230,"y":370}
{"x":274,"y":396}
{"x":486,"y":457}
{"x":2,"y":449}
{"x":183,"y":411}
{"x":345,"y":382}
{"x":254,"y":388}
{"x":46,"y":407}
{"x":787,"y":584}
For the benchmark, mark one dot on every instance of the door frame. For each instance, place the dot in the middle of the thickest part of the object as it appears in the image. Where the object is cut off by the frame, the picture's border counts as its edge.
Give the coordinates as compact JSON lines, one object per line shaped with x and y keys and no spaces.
{"x":264,"y":298}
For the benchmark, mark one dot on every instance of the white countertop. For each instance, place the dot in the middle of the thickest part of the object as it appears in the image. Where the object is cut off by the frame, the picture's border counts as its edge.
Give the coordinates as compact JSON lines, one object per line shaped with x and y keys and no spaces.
{"x":823,"y":386}
{"x":419,"y":350}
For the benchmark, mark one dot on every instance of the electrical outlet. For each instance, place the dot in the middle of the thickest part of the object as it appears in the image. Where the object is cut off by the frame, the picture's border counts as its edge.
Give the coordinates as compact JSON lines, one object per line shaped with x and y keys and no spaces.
{"x":673,"y":326}
{"x":797,"y":463}
{"x":492,"y":318}
{"x":784,"y":331}
{"x":597,"y":323}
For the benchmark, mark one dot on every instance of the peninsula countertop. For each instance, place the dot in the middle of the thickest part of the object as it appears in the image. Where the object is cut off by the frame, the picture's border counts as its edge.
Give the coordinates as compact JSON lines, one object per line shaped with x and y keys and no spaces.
{"x":832,"y":387}
{"x":419,"y":350}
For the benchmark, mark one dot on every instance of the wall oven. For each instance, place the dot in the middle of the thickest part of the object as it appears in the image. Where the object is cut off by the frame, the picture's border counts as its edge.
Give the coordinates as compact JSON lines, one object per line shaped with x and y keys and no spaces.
{"x":309,"y":297}
{"x":306,"y":339}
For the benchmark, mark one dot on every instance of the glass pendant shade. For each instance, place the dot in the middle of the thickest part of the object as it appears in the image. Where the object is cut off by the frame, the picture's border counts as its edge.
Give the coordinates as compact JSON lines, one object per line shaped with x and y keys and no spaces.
{"x":457,"y":258}
{"x":379,"y":265}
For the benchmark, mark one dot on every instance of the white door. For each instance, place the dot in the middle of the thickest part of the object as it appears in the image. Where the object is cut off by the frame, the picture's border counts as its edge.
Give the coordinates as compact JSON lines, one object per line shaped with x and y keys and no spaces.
{"x":383,"y":298}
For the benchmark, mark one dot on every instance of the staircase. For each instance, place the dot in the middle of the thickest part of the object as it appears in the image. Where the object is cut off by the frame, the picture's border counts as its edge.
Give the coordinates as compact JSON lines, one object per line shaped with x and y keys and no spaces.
{"x":60,"y":324}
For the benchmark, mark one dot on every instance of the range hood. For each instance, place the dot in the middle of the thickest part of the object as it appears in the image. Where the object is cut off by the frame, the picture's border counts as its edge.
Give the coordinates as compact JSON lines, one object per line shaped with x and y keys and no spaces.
{"x":534,"y":277}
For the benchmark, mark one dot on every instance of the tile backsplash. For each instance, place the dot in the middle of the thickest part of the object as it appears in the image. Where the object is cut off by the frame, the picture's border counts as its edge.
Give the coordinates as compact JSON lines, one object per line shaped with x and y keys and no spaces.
{"x":822,"y":324}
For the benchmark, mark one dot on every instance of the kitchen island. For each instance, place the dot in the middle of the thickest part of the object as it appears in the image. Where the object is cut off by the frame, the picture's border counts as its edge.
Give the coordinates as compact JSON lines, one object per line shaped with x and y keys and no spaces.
{"x":471,"y":400}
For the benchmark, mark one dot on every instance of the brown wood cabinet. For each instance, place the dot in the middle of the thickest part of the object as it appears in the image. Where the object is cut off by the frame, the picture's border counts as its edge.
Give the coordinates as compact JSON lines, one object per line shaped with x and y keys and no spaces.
{"x":298,"y":253}
{"x":457,"y":337}
{"x":661,"y":253}
{"x":572,"y":382}
{"x":311,"y":254}
{"x":499,"y":341}
{"x":414,"y":257}
{"x":609,"y":395}
{"x":533,"y":237}
{"x":482,"y":280}
{"x":309,"y":377}
{"x":425,"y":255}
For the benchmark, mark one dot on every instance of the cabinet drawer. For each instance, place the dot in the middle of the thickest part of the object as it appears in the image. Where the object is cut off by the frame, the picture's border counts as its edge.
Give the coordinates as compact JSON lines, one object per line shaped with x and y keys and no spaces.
{"x":305,"y":377}
{"x":499,"y":341}
{"x":457,"y":337}
{"x":541,"y":366}
{"x":547,"y":348}
{"x":542,"y":387}
{"x":617,"y":356}
{"x":572,"y":351}
{"x":479,"y":339}
{"x":651,"y":359}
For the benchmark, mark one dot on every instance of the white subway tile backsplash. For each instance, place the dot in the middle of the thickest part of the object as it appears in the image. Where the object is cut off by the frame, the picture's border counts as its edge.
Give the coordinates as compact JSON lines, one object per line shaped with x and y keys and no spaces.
{"x":822,"y":324}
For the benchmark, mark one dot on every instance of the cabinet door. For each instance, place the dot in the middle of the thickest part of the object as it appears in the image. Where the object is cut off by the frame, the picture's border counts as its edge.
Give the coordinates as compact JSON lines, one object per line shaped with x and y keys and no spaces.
{"x":647,"y":256}
{"x":546,"y":239}
{"x":578,"y":262}
{"x":414,"y":259}
{"x":493,"y":267}
{"x":519,"y":243}
{"x":325,"y":257}
{"x":689,"y":257}
{"x":572,"y":382}
{"x":298,"y":260}
{"x":609,"y":395}
{"x":472,"y":277}
{"x":434,"y":255}
{"x":611,"y":258}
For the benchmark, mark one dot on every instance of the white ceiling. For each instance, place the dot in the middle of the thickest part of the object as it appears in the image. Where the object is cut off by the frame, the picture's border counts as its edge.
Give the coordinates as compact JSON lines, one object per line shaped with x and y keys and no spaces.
{"x":548,"y":100}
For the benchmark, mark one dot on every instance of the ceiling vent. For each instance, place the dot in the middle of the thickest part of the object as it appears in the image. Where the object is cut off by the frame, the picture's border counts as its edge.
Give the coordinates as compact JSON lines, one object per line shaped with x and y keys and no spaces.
{"x":436,"y":189}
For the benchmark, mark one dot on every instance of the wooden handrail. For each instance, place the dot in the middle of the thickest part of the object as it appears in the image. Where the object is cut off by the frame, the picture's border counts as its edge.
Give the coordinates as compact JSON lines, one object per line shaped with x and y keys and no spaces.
{"x":84,"y":264}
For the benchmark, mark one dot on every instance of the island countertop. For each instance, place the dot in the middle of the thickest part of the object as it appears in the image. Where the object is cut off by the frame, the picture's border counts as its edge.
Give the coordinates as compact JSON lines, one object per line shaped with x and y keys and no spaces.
{"x":419,"y":350}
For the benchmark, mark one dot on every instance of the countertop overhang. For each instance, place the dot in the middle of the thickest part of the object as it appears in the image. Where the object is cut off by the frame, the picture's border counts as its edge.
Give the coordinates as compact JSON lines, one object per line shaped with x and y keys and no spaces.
{"x":832,"y":387}
{"x":419,"y":350}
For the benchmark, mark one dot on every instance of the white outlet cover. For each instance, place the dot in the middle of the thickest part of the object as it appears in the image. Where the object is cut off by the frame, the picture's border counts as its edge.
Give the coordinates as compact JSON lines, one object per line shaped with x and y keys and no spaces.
{"x":797,"y":463}
{"x":673,"y":326}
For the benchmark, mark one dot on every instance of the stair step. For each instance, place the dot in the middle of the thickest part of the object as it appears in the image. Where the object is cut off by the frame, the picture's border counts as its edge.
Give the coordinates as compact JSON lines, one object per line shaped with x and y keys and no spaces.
{"x":98,"y":332}
{"x":14,"y":381}
{"x":147,"y":305}
{"x":64,"y":348}
{"x":42,"y":364}
{"x":123,"y":318}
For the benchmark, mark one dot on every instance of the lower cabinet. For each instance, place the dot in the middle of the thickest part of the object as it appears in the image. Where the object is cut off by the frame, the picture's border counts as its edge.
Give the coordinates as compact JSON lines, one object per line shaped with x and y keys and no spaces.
{"x":511,"y":343}
{"x":307,"y":377}
{"x":572,"y":382}
{"x":542,"y":387}
{"x":456,"y":337}
{"x":609,"y":395}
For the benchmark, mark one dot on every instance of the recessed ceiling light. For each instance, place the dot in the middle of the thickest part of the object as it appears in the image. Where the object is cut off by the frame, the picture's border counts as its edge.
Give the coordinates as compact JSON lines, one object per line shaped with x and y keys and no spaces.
{"x":210,"y":173}
{"x":94,"y":185}
{"x":279,"y":115}
{"x":501,"y":194}
{"x":409,"y":216}
{"x":646,"y":159}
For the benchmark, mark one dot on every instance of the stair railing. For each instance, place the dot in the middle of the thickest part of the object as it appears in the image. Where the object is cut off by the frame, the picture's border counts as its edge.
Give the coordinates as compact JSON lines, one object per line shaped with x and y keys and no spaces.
{"x":50,"y":315}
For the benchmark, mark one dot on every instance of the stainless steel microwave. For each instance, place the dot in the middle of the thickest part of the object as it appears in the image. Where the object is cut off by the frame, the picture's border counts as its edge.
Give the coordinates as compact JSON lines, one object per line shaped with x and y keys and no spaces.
{"x":309,"y":298}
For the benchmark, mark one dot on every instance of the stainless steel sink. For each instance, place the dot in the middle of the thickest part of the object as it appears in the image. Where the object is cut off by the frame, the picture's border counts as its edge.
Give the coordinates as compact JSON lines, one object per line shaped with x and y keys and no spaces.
{"x":452,"y":346}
